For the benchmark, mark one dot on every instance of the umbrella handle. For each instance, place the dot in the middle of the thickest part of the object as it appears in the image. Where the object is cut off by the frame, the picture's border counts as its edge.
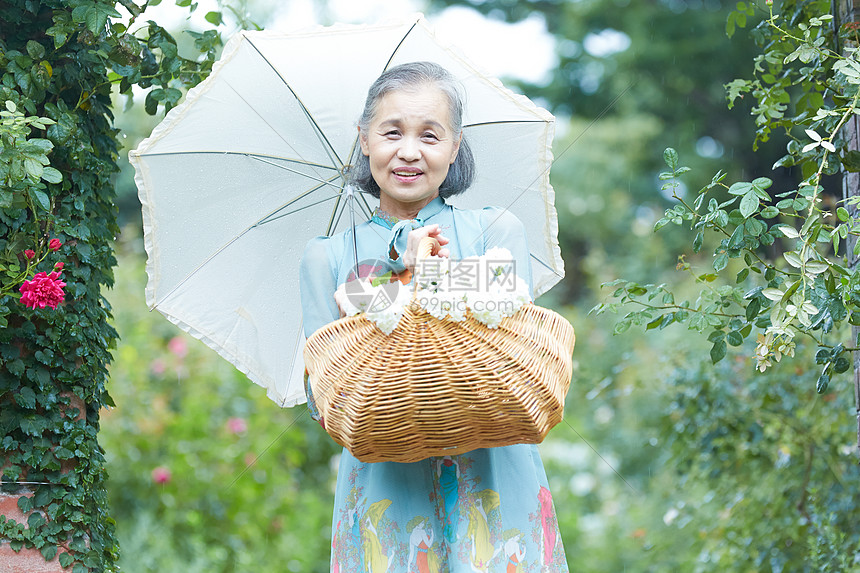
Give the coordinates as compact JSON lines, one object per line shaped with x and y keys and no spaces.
{"x":427,"y":247}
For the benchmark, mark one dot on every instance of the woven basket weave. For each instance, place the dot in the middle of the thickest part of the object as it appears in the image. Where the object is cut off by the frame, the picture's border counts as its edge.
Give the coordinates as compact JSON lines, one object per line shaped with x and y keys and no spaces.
{"x":437,"y":387}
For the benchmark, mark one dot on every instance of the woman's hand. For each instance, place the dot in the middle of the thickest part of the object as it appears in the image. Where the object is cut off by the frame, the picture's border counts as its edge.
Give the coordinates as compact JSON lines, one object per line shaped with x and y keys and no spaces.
{"x":414,"y":237}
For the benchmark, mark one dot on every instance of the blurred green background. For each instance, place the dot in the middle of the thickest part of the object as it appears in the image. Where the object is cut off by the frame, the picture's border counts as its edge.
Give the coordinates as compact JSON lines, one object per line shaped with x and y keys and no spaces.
{"x":664,"y":462}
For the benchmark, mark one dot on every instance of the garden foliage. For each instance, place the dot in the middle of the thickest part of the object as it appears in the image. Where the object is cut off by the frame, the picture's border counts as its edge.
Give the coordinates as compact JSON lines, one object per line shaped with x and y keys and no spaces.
{"x":789,"y":250}
{"x":58,"y":156}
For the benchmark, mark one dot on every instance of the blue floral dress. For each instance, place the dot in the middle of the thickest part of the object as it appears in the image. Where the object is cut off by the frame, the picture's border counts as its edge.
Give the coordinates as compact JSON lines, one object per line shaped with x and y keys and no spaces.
{"x":488,"y":510}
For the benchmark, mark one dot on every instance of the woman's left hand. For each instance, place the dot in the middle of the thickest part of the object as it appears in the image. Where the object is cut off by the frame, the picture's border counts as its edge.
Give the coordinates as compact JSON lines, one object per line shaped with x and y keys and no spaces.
{"x":414,"y":237}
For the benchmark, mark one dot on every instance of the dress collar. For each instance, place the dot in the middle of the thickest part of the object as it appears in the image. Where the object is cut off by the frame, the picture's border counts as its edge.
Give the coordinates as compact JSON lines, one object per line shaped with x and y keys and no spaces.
{"x":429,"y":210}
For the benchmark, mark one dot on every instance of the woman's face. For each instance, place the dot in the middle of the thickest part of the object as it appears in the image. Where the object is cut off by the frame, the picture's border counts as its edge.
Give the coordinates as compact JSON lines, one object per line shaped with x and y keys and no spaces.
{"x":410,"y":145}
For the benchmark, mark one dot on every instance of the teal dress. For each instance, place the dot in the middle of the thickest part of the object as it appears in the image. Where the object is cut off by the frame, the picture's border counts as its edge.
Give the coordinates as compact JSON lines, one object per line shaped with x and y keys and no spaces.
{"x":487,"y":510}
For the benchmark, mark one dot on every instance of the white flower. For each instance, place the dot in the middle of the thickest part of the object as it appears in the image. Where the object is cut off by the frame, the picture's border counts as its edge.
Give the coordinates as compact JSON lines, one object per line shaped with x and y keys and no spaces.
{"x":486,"y":286}
{"x":444,"y":304}
{"x":489,"y":308}
{"x":388,"y":319}
{"x":345,"y":303}
{"x":816,"y":141}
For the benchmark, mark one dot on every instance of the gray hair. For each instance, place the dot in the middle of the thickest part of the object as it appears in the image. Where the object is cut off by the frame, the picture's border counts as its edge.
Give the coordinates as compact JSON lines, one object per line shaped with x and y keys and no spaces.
{"x":405,"y":76}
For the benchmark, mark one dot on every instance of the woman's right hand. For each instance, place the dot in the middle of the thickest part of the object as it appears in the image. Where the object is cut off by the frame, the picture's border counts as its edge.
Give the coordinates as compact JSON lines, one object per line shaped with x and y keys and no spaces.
{"x":414,"y":237}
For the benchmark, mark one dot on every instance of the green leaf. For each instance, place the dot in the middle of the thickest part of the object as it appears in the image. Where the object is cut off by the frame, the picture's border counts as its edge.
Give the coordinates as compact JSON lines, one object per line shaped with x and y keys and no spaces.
{"x":734,"y":19}
{"x":621,"y":326}
{"x":762,"y":182}
{"x":753,"y":308}
{"x":823,"y":382}
{"x":792,"y":258}
{"x":97,"y":16}
{"x":749,"y":204}
{"x":716,"y":336}
{"x":769,"y":212}
{"x":35,"y":50}
{"x":66,"y":559}
{"x":670,"y":156}
{"x":214,"y":18}
{"x":740,"y":188}
{"x":842,"y":364}
{"x":736,"y":241}
{"x":843,"y":214}
{"x":718,"y":351}
{"x":734,"y":338}
{"x":697,"y":241}
{"x":26,"y":398}
{"x":41,"y":199}
{"x":742,"y":275}
{"x":52,"y":175}
{"x":150,"y":104}
{"x":34,"y":168}
{"x":34,"y":521}
{"x":25,"y":504}
{"x":721,"y":261}
{"x":754,"y":227}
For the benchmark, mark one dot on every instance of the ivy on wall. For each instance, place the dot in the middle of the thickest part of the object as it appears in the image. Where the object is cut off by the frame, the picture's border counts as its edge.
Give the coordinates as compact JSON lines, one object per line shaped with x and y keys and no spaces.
{"x":59,"y":61}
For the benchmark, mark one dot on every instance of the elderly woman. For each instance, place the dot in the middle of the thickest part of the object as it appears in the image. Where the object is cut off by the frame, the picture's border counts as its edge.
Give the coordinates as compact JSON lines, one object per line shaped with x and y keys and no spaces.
{"x":468,"y":505}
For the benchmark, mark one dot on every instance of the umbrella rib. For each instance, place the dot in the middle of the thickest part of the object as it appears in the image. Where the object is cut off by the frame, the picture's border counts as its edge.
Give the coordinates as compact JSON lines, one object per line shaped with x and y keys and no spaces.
{"x":323,"y":181}
{"x":245,"y":153}
{"x":502,"y":122}
{"x":339,"y":209}
{"x":329,"y":147}
{"x":399,"y":44}
{"x":544,"y":263}
{"x":271,"y":216}
{"x":268,"y":218}
{"x":332,"y":220}
{"x":297,"y":99}
{"x":367,"y":210}
{"x":384,"y":68}
{"x":565,"y":150}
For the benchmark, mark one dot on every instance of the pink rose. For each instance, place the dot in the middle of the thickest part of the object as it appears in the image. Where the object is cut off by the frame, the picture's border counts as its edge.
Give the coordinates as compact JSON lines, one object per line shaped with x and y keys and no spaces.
{"x":161,"y":475}
{"x":59,"y":266}
{"x":55,"y":244}
{"x":43,"y":290}
{"x":178,"y":346}
{"x":30,"y":254}
{"x":237,"y":425}
{"x":157,"y":366}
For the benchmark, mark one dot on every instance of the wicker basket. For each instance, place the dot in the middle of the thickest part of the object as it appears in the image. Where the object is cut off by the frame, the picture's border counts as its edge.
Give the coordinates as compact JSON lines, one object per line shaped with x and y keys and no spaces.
{"x":437,"y":387}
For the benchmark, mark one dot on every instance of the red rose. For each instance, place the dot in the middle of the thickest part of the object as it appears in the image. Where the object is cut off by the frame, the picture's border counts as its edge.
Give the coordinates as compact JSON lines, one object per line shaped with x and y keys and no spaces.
{"x":43,"y":290}
{"x":55,"y":244}
{"x":59,"y":266}
{"x":30,"y":253}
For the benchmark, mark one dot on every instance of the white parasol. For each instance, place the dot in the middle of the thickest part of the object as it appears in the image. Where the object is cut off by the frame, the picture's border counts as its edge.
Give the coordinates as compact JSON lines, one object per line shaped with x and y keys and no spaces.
{"x":236,"y":179}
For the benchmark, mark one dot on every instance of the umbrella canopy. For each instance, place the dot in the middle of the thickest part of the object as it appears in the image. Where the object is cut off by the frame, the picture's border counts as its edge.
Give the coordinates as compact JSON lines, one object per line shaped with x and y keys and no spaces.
{"x":236,"y":180}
